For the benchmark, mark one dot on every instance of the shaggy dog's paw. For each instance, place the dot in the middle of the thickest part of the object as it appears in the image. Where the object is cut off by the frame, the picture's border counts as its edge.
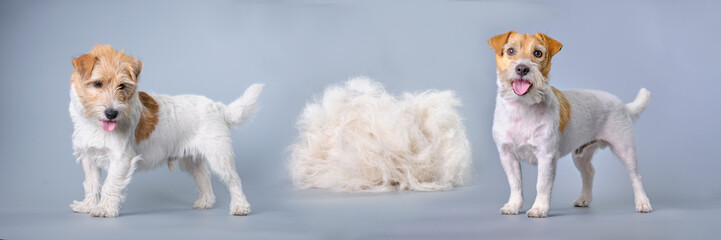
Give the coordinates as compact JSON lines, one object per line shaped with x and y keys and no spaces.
{"x":582,"y":201}
{"x":104,"y":210}
{"x":510,"y":209}
{"x":204,"y":202}
{"x":83,"y":207}
{"x":240,"y":209}
{"x":537,"y":212}
{"x":643,"y":206}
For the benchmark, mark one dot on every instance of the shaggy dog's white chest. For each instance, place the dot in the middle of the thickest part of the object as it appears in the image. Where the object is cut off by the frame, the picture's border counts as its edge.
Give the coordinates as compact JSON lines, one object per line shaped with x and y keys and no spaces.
{"x":101,"y":156}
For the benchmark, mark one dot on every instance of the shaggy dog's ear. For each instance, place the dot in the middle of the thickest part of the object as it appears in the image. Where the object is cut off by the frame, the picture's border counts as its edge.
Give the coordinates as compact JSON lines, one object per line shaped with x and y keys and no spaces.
{"x":84,"y":64}
{"x":496,"y":42}
{"x":135,"y":67}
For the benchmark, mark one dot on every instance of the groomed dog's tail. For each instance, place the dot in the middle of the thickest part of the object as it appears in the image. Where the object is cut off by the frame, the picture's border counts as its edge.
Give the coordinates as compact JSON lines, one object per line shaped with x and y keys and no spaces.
{"x":239,"y":112}
{"x":636,"y":107}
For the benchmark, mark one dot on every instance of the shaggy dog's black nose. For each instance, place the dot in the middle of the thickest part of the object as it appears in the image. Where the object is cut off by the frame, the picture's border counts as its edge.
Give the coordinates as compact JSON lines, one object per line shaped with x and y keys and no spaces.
{"x":111,"y":114}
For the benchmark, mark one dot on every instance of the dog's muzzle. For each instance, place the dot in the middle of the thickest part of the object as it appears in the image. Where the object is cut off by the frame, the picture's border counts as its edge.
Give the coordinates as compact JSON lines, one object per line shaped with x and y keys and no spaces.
{"x":109,"y":125}
{"x":521,"y":85}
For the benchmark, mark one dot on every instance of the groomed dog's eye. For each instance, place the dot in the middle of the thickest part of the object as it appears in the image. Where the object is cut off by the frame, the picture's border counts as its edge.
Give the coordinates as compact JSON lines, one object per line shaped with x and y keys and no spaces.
{"x":97,"y":84}
{"x":121,"y":86}
{"x":511,"y":51}
{"x":538,"y":54}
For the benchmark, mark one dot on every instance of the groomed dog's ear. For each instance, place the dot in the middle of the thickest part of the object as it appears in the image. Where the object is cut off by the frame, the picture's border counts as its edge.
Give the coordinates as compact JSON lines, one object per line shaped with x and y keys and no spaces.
{"x":552,"y":46}
{"x":84,"y":64}
{"x":496,"y":42}
{"x":135,"y":66}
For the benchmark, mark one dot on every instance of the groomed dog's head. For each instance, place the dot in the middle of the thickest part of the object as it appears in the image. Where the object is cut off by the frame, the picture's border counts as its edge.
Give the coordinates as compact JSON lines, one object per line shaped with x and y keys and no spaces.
{"x":105,"y":80}
{"x":523,"y":63}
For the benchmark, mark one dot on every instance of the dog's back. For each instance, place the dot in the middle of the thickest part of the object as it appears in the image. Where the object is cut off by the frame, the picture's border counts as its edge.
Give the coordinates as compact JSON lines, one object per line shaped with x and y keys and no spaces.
{"x":189,"y":120}
{"x":593,"y":112}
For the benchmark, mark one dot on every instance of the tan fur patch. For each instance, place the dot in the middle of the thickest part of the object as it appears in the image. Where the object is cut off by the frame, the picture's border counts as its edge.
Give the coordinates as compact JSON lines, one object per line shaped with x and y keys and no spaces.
{"x":564,"y":109}
{"x":496,"y":42}
{"x":552,"y":47}
{"x":148,"y":119}
{"x":84,"y":65}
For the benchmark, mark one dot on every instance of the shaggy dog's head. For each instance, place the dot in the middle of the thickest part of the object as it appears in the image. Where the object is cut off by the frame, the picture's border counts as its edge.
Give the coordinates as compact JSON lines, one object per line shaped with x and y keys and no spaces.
{"x":105,"y":80}
{"x":523,"y":63}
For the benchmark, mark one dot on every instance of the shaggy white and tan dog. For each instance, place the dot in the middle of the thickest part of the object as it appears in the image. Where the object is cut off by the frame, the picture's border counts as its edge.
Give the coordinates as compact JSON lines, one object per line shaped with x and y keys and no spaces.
{"x":120,"y":129}
{"x":539,"y":124}
{"x":359,"y":138}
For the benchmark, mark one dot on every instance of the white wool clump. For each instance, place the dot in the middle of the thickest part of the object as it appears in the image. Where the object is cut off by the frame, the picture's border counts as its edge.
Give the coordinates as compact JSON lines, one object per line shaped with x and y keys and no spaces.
{"x":360,"y":138}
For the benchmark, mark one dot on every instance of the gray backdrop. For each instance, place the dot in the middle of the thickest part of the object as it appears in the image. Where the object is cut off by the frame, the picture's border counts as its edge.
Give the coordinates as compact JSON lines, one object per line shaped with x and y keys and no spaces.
{"x":218,"y":48}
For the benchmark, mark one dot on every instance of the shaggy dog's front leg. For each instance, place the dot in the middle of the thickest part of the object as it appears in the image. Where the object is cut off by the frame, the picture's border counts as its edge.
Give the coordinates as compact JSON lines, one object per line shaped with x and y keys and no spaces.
{"x":91,"y":185}
{"x":119,"y":173}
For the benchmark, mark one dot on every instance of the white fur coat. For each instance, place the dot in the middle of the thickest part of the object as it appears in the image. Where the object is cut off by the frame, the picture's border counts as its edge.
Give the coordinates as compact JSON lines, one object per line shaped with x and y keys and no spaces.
{"x":357,"y":137}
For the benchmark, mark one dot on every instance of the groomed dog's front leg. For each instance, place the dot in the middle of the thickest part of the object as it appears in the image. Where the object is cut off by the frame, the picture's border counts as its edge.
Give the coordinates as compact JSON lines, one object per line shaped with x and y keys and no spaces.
{"x":91,"y":186}
{"x":544,"y":185}
{"x":512,"y":167}
{"x":119,"y":173}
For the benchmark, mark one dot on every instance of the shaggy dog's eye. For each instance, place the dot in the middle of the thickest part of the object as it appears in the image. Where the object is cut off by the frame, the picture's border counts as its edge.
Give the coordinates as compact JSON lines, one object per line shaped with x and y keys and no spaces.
{"x":537,"y":53}
{"x":511,"y":51}
{"x":97,"y":84}
{"x":121,"y":86}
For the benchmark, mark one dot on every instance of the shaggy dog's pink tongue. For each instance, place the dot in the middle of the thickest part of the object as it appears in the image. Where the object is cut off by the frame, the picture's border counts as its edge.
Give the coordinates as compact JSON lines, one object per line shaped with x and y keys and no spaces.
{"x":521,"y":86}
{"x":108,"y":125}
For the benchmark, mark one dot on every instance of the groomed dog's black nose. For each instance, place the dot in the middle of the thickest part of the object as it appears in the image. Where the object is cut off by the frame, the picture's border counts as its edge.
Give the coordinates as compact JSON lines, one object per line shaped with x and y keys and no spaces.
{"x":522,"y":70}
{"x":111,"y":114}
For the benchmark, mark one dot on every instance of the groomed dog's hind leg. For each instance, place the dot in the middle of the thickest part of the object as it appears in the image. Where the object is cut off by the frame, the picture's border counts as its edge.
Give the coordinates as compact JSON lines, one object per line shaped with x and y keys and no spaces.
{"x":624,"y":146}
{"x":582,"y":159}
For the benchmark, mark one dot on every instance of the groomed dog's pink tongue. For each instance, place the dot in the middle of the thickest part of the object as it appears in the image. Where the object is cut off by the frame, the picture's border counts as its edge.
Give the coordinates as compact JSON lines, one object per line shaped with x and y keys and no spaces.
{"x":108,"y":125}
{"x":521,"y":86}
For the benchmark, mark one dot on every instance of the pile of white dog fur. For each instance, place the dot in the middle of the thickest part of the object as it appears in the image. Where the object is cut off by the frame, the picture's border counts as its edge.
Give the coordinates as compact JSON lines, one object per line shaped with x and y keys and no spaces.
{"x":357,"y":138}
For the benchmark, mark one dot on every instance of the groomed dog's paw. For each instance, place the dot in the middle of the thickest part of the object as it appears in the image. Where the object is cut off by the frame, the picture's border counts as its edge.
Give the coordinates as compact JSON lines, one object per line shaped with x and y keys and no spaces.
{"x":537,"y":212}
{"x":582,"y":202}
{"x":643,"y":206}
{"x":103,"y":210}
{"x":204,"y":203}
{"x":240,"y":209}
{"x":82,"y":207}
{"x":510,"y":209}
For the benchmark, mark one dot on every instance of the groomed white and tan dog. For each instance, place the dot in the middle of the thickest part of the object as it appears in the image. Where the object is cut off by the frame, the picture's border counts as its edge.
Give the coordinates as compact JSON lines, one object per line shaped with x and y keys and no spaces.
{"x":120,"y":129}
{"x":538,"y":123}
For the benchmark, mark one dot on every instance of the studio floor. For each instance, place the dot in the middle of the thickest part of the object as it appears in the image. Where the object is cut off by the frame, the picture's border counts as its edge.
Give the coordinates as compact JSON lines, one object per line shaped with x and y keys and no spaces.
{"x":464,"y":213}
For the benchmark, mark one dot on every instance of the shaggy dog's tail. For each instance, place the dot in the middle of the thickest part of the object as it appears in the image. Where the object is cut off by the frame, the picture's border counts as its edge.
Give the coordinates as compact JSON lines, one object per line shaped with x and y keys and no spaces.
{"x":636,"y":107}
{"x":239,"y":112}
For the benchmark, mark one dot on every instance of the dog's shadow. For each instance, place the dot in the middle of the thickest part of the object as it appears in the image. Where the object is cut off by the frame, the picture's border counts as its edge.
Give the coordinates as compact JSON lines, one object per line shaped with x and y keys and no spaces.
{"x":570,"y":211}
{"x":550,"y":215}
{"x":142,"y":212}
{"x":566,"y":211}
